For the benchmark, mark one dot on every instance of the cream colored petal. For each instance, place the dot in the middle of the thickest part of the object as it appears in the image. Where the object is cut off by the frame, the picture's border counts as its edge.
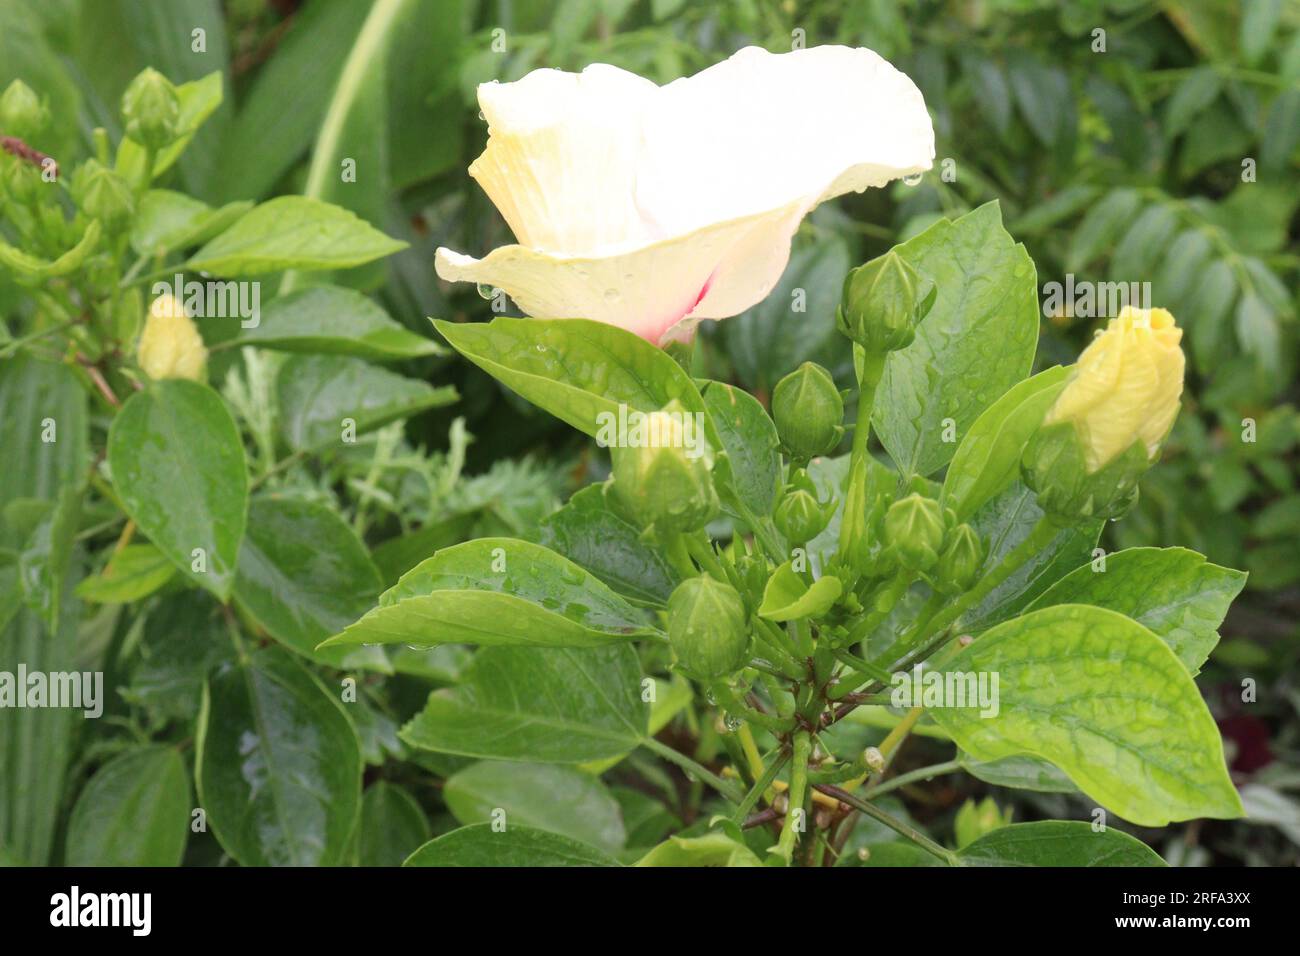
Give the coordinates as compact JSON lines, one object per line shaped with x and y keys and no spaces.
{"x":761,"y":129}
{"x":647,"y":290}
{"x":561,"y":158}
{"x":1113,"y":424}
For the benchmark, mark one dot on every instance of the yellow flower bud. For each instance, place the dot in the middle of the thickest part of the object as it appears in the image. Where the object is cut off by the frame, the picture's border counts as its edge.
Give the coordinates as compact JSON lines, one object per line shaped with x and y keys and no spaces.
{"x":170,"y":345}
{"x":1126,"y":386}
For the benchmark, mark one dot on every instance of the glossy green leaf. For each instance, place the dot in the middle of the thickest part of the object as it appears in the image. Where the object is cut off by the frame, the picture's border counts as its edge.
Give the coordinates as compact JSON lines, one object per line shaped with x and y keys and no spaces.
{"x":788,"y":597}
{"x":278,"y":765}
{"x":392,"y":825}
{"x":1002,"y":524}
{"x":304,"y":575}
{"x":546,"y":796}
{"x":516,"y":846}
{"x":325,"y":399}
{"x":1058,"y":843}
{"x":988,"y":458}
{"x":578,"y":370}
{"x":977,"y":341}
{"x":337,"y":321}
{"x":183,"y":641}
{"x":292,"y":232}
{"x":590,"y":533}
{"x":166,"y":221}
{"x":711,"y":850}
{"x":1104,"y":699}
{"x":131,"y":574}
{"x":561,"y":705}
{"x":135,"y":811}
{"x":43,"y":563}
{"x":178,"y":466}
{"x":1173,"y":592}
{"x":498,"y":591}
{"x":748,"y":473}
{"x":1021,"y":772}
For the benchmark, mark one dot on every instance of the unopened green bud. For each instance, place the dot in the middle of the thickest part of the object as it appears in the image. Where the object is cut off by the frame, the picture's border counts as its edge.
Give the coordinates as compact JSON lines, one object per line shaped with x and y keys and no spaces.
{"x":883,"y":302}
{"x":102,"y":194}
{"x":808,"y":411}
{"x":151,"y":110}
{"x":706,"y":628}
{"x":799,"y":515}
{"x":914,"y":531}
{"x":22,"y":181}
{"x":961,"y":560}
{"x":662,"y":472}
{"x":22,"y":114}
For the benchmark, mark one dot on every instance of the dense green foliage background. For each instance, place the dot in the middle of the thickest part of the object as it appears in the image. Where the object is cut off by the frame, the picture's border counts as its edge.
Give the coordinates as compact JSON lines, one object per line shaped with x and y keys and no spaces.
{"x":1122,"y":164}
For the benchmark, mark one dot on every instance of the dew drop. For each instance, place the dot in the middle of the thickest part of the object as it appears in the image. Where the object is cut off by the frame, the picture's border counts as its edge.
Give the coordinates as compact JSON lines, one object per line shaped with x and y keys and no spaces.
{"x":485,"y":291}
{"x":913,"y":180}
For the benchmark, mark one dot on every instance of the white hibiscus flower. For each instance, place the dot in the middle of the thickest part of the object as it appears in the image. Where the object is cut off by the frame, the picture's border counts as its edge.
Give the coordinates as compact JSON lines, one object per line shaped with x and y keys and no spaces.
{"x":653,"y":207}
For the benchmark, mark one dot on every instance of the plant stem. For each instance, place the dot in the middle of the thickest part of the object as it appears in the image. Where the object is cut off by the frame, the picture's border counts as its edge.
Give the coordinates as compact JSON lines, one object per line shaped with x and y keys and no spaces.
{"x":692,"y":767}
{"x":16,"y":344}
{"x":903,"y":779}
{"x":898,"y":826}
{"x":795,"y":796}
{"x":759,"y":788}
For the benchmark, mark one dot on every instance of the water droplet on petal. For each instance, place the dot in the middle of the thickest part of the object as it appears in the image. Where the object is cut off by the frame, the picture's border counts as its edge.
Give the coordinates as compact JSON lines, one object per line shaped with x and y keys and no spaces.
{"x":485,"y":291}
{"x":913,"y":180}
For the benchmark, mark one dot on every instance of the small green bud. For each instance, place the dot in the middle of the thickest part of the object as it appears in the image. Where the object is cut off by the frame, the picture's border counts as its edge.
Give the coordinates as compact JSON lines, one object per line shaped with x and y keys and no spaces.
{"x":22,"y":114}
{"x":974,"y":820}
{"x":961,"y":560}
{"x":799,"y":516}
{"x":151,"y":110}
{"x":22,"y":181}
{"x":706,"y":628}
{"x":102,"y":194}
{"x":808,"y":411}
{"x":663,"y":475}
{"x":1054,"y":465}
{"x":914,"y":531}
{"x":882,"y":303}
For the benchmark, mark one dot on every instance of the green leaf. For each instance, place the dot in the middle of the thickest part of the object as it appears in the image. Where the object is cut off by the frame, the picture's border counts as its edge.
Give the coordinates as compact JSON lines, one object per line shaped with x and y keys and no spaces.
{"x":1021,"y":772}
{"x":711,"y":850}
{"x":135,"y":811}
{"x":546,"y":796}
{"x":498,"y":591}
{"x":45,"y":424}
{"x":292,"y":232}
{"x":793,"y":322}
{"x":1190,"y":98}
{"x":43,"y":564}
{"x":131,"y":574}
{"x":516,"y":846}
{"x":285,"y":102}
{"x":320,"y":394}
{"x":977,"y":341}
{"x":32,"y":269}
{"x":336,"y":321}
{"x":1259,"y":22}
{"x":183,"y":641}
{"x":1058,"y":843}
{"x":588,"y":532}
{"x":167,"y":221}
{"x":392,"y":825}
{"x":578,"y":370}
{"x":788,"y":597}
{"x":1100,"y":227}
{"x":1002,"y":524}
{"x":178,"y":467}
{"x":988,"y":459}
{"x":1104,"y":699}
{"x":278,"y":765}
{"x":1173,"y":592}
{"x":557,"y":705}
{"x":304,"y":575}
{"x":748,"y":473}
